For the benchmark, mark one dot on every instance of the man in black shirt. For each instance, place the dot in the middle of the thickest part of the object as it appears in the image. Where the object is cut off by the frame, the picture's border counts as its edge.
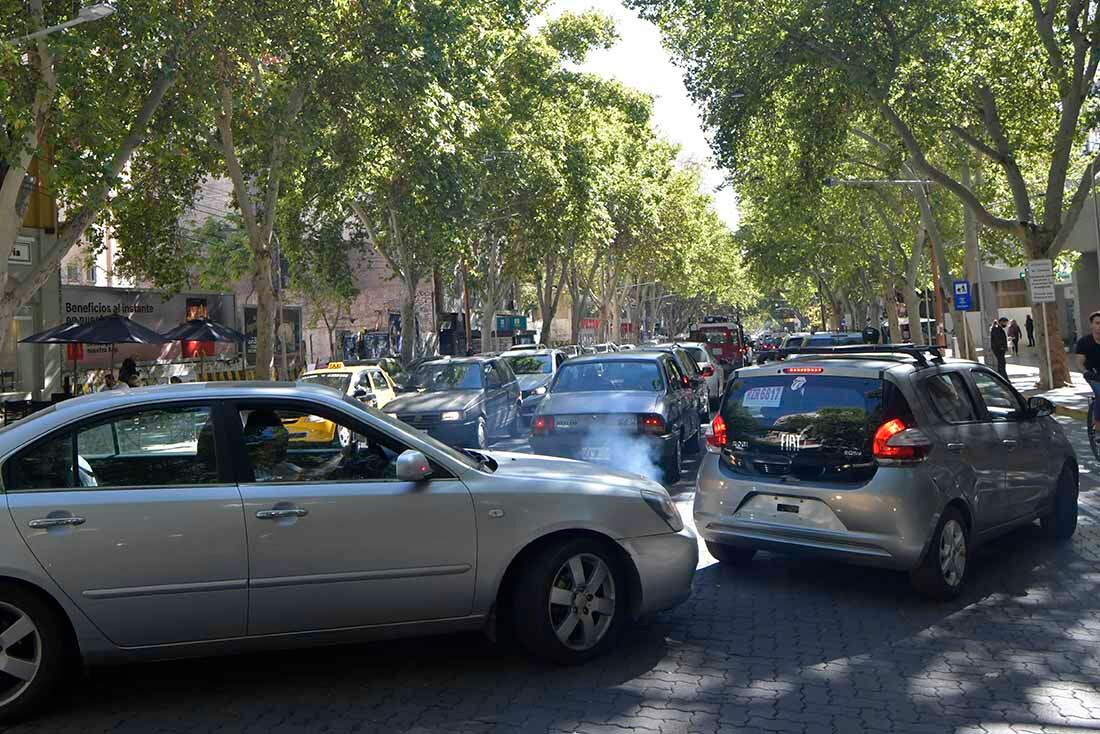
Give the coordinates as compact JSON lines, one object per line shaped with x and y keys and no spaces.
{"x":1088,"y":353}
{"x":998,"y":342}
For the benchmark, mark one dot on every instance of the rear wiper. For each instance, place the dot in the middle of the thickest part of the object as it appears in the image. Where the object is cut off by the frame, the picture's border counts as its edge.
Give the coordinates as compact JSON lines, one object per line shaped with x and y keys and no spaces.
{"x":484,"y":461}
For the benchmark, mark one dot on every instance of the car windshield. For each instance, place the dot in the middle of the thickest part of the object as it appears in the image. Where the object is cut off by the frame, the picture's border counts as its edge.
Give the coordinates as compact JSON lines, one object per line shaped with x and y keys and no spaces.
{"x":337,"y":381}
{"x":422,"y":435}
{"x":437,"y":376}
{"x":633,"y":375}
{"x":531,"y":364}
{"x":697,"y":353}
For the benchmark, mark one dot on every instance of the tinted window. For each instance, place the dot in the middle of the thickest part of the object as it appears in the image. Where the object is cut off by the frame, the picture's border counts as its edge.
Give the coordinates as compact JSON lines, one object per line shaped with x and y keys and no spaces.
{"x":164,"y":446}
{"x":697,"y":353}
{"x":448,"y":376}
{"x":604,"y":376}
{"x":809,"y":426}
{"x":686,"y":363}
{"x":292,"y":445}
{"x":999,"y":400}
{"x":47,"y":465}
{"x":952,"y":400}
{"x":819,"y":341}
{"x":335,"y":380}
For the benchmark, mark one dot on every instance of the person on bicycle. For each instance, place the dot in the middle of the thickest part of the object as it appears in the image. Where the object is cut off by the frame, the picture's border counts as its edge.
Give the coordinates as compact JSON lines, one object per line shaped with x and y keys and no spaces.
{"x":1088,"y":354}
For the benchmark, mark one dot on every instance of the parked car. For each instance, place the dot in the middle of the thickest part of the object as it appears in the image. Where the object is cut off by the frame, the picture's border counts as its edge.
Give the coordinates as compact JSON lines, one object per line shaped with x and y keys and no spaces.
{"x":185,"y":520}
{"x":709,"y":369}
{"x":462,"y":402}
{"x":534,"y":370}
{"x":881,"y":457}
{"x":630,"y":409}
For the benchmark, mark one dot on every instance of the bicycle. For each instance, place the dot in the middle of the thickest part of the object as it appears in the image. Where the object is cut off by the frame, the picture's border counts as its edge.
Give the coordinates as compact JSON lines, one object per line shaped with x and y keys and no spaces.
{"x":1090,"y":418}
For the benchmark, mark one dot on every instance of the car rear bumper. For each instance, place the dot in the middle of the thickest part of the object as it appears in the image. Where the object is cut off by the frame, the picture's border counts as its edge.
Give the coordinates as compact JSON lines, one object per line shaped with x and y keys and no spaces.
{"x":886,"y":522}
{"x":620,"y":447}
{"x":666,"y":566}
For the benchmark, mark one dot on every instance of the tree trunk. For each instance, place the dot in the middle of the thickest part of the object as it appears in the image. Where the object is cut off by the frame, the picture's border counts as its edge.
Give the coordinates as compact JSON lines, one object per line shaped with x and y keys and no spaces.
{"x":265,"y":315}
{"x":982,"y":290}
{"x":891,"y":305}
{"x":488,"y":323}
{"x":912,"y":306}
{"x":408,"y":319}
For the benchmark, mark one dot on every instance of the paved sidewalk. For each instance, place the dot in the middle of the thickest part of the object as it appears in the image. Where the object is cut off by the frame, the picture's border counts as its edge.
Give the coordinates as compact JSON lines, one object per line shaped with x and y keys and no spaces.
{"x":1071,"y":401}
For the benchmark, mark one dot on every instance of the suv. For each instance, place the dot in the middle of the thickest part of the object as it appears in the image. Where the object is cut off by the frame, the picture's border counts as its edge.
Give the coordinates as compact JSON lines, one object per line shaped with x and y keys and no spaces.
{"x":709,"y":369}
{"x":882,"y":456}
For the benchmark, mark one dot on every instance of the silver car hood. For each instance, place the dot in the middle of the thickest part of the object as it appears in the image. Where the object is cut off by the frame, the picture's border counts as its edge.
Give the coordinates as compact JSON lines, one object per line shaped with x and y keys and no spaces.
{"x":553,"y":468}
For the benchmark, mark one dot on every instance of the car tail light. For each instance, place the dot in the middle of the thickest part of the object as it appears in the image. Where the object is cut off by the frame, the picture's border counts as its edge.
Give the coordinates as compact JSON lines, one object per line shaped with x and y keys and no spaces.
{"x":895,"y":440}
{"x":803,"y":370}
{"x":651,"y":423}
{"x":542,"y":425}
{"x":716,"y":436}
{"x":686,"y":382}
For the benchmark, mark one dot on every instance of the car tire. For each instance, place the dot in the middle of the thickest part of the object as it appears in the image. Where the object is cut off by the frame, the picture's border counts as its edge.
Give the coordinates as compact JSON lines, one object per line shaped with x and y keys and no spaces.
{"x":38,"y":647}
{"x":549,"y":625}
{"x":672,"y":463}
{"x":481,"y":433}
{"x":1061,"y":522}
{"x":941,"y":576}
{"x":731,"y":555}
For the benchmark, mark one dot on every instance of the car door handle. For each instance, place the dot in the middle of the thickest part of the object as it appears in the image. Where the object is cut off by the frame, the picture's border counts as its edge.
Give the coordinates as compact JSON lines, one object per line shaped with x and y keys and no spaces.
{"x":54,"y":522}
{"x":286,"y":512}
{"x":956,"y":446}
{"x":1009,"y":443}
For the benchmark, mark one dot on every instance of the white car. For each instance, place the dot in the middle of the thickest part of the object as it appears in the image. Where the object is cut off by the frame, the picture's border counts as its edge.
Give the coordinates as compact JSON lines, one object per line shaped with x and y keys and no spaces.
{"x":711,"y":369}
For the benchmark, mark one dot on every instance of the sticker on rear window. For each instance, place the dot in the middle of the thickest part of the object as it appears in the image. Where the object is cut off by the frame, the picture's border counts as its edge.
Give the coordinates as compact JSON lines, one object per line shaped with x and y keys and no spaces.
{"x":797,"y":383}
{"x":763,"y":397}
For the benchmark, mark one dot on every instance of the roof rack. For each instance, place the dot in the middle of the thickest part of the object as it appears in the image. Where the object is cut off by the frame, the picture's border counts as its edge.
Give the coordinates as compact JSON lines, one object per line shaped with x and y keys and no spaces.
{"x":910,"y":350}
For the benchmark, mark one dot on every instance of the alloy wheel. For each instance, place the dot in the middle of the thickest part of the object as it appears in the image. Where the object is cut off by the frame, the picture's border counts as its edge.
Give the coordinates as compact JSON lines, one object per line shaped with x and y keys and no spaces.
{"x":952,"y":553}
{"x":582,"y":601}
{"x":20,"y":652}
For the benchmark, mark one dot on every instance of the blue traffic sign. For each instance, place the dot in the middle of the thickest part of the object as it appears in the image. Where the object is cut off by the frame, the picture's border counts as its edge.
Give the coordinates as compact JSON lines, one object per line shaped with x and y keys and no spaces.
{"x":962,"y":295}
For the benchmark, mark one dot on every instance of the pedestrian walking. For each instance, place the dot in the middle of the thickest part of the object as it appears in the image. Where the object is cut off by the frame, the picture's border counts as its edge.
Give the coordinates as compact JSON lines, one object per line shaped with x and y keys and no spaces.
{"x":870,"y":333}
{"x":1029,"y":327}
{"x":1088,"y":354}
{"x":998,"y":340}
{"x":1014,"y":336}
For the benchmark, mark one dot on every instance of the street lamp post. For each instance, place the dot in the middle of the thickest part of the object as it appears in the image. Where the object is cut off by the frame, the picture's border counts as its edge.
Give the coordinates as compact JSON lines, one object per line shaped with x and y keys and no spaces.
{"x":88,"y":13}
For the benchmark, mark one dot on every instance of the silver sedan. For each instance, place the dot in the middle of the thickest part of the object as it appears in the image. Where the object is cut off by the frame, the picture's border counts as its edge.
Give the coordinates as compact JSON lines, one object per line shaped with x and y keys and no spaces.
{"x":199,"y":519}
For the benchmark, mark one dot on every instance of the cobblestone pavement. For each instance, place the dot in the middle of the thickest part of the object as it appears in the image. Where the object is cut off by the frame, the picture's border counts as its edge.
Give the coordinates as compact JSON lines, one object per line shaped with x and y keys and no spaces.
{"x":784,"y":646}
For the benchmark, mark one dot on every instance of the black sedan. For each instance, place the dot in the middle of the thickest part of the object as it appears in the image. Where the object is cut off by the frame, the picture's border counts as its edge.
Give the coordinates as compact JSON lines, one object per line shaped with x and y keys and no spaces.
{"x":631,"y":410}
{"x":462,"y":402}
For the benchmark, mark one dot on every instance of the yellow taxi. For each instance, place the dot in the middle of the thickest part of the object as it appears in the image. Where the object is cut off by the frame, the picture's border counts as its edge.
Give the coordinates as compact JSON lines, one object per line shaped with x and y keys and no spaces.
{"x":364,"y":381}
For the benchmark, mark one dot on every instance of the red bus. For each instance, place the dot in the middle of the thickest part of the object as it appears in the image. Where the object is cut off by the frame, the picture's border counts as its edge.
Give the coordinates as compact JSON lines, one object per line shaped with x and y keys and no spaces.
{"x":725,"y":341}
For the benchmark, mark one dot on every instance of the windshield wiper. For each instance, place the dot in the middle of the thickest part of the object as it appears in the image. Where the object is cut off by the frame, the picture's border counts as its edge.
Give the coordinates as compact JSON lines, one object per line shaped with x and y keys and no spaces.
{"x":483,"y":460}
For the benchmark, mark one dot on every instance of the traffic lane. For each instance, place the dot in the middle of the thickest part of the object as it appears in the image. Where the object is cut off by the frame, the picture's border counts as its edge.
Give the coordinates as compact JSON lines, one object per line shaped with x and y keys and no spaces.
{"x":784,"y":645}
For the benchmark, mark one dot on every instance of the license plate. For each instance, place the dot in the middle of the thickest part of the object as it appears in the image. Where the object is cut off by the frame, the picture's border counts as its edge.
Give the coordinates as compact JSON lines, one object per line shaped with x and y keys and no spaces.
{"x":595,"y":453}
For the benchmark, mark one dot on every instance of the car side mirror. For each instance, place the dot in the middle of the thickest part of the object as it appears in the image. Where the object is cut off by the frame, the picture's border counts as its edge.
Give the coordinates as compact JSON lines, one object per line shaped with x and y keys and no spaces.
{"x":413,"y":466}
{"x":707,"y":371}
{"x":1039,"y":407}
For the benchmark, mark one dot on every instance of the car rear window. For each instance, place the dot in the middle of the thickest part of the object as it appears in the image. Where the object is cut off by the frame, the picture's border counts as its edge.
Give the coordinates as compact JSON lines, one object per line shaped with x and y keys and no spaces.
{"x":633,"y":375}
{"x":810,"y":426}
{"x":697,"y":353}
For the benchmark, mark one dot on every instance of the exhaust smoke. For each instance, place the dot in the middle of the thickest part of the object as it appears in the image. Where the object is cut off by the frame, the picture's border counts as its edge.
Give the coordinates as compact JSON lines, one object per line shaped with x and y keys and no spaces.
{"x":627,"y":450}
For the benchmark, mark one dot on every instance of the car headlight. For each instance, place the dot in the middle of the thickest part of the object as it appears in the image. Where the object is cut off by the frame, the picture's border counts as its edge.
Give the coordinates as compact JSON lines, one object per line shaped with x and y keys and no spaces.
{"x":662,"y":504}
{"x":451,"y":415}
{"x":540,"y":390}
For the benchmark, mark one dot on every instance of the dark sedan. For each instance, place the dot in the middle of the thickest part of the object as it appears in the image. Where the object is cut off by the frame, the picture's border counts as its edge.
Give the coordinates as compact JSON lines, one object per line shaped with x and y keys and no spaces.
{"x":462,"y":402}
{"x":630,"y":410}
{"x":534,"y":371}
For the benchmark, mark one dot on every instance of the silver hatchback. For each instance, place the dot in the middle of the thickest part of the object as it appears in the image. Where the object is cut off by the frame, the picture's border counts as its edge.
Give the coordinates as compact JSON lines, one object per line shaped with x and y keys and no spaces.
{"x":881,"y":456}
{"x":200,"y":519}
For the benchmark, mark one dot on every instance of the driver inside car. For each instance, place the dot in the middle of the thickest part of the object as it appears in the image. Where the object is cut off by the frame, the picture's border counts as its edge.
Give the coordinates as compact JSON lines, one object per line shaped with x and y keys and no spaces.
{"x":267,"y":442}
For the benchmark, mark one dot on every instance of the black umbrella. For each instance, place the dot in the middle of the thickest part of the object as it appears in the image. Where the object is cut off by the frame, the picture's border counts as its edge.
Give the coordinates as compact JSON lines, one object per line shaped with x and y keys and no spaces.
{"x":114,"y":330}
{"x":203,"y":330}
{"x":52,"y":335}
